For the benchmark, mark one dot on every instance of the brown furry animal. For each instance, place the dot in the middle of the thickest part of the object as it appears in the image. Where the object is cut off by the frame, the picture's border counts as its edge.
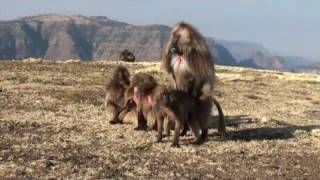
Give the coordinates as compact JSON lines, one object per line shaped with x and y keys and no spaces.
{"x":115,"y":93}
{"x":187,"y":55}
{"x":221,"y":123}
{"x":127,"y":56}
{"x":188,"y":59}
{"x":159,"y":112}
{"x":184,"y":109}
{"x":139,"y":100}
{"x":148,"y":110}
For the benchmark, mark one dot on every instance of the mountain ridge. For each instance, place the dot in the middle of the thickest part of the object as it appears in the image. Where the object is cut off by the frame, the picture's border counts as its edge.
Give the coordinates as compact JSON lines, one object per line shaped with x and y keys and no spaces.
{"x":62,"y":37}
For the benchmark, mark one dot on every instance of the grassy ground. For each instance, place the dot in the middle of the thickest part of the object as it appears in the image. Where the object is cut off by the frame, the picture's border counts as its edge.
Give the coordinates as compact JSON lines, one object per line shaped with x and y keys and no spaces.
{"x":52,"y":127}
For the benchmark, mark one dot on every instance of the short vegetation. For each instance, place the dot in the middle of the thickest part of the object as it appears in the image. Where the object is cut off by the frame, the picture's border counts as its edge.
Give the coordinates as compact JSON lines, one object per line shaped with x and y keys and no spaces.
{"x":52,"y":126}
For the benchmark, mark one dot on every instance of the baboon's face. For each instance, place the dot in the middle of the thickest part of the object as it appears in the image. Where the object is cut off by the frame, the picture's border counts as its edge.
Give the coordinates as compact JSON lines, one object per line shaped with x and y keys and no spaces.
{"x":146,"y":86}
{"x":123,"y":77}
{"x":180,"y":41}
{"x":174,"y":45}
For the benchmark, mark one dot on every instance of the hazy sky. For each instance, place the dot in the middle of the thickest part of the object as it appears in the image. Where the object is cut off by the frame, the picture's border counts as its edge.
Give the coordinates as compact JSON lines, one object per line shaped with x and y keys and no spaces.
{"x":288,"y":27}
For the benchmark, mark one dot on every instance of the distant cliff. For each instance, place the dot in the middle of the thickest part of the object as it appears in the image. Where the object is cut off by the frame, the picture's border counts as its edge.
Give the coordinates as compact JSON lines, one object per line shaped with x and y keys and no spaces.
{"x":78,"y":37}
{"x":60,"y":37}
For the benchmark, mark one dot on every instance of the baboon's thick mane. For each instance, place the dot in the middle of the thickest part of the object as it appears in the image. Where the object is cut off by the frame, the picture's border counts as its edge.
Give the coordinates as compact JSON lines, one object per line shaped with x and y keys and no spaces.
{"x":193,"y":46}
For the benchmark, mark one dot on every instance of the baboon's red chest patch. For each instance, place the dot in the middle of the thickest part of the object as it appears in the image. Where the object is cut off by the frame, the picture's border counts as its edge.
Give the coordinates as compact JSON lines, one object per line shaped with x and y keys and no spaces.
{"x":148,"y":100}
{"x":180,"y":60}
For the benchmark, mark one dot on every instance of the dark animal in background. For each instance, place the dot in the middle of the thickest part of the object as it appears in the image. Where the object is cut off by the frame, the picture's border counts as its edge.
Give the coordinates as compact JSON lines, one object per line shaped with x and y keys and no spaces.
{"x":127,"y":56}
{"x":115,"y":94}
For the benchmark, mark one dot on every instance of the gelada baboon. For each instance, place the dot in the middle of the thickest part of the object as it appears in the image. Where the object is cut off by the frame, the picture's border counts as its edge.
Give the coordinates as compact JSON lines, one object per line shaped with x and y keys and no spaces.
{"x":127,"y":56}
{"x":187,"y":54}
{"x":115,"y":93}
{"x":188,"y":59}
{"x":139,"y":100}
{"x":182,"y":108}
{"x":143,"y":89}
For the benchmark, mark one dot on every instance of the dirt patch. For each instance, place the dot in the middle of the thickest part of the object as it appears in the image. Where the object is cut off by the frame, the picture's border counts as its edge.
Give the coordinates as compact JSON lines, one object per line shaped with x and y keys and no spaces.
{"x":314,"y":114}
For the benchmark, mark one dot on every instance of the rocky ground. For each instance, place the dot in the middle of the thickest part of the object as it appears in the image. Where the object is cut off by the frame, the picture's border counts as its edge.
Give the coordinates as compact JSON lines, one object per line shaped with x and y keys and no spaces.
{"x":52,"y":126}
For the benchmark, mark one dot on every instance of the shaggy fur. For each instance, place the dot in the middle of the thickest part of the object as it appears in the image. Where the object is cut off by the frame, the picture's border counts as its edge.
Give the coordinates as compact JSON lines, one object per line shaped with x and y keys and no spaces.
{"x":115,"y":93}
{"x":187,"y":43}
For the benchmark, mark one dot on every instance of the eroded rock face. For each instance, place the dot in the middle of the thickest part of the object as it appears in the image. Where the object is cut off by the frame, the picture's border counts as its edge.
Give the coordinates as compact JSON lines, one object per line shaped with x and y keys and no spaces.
{"x":58,"y":37}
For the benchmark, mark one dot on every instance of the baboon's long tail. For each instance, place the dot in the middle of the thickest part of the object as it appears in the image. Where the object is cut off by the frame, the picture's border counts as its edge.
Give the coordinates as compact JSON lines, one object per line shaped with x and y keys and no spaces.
{"x":222,"y":126}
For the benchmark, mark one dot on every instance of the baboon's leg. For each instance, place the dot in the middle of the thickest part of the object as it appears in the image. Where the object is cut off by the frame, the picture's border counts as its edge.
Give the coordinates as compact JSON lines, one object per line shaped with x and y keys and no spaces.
{"x":185,"y":129}
{"x":204,"y":126}
{"x":222,"y":126}
{"x":151,"y":120}
{"x":142,"y":122}
{"x":204,"y":134}
{"x":112,"y":114}
{"x":204,"y":106}
{"x":195,"y":128}
{"x":160,"y":127}
{"x":167,"y":126}
{"x":178,"y":126}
